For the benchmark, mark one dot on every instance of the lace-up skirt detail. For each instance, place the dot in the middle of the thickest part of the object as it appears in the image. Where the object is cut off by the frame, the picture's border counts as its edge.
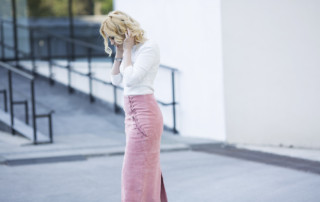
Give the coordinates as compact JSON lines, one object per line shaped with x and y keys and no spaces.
{"x":142,"y":179}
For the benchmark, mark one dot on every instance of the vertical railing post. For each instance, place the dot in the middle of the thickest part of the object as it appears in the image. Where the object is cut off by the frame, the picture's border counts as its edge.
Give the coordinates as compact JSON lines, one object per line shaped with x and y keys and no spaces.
{"x":69,"y":68}
{"x":90,"y":75}
{"x":33,"y":104}
{"x":31,"y":39}
{"x":15,"y":32}
{"x":5,"y":99}
{"x":173,"y":103}
{"x":50,"y":128}
{"x":2,"y":40}
{"x":26,"y":111}
{"x":50,"y":60}
{"x":115,"y":105}
{"x":11,"y":101}
{"x":116,"y":108}
{"x":71,"y":27}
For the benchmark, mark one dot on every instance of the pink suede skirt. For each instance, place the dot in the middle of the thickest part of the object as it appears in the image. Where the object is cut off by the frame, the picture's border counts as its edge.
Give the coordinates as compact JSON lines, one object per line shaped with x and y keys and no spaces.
{"x":142,"y":179}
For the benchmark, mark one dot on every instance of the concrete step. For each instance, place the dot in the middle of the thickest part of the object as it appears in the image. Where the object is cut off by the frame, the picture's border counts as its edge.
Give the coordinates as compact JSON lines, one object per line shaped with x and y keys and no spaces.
{"x":80,"y":153}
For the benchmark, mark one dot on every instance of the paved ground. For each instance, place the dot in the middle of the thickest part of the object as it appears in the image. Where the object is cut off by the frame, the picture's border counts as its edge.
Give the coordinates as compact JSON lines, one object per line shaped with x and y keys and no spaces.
{"x":84,"y":163}
{"x":189,"y":176}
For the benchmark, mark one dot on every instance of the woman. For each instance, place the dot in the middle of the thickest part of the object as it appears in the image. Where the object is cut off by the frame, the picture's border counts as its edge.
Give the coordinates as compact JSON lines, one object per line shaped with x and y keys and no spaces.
{"x":136,"y":64}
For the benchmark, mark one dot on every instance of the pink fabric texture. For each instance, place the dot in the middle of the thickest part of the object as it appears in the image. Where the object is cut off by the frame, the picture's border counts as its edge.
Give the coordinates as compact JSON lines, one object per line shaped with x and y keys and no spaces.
{"x":142,"y":179}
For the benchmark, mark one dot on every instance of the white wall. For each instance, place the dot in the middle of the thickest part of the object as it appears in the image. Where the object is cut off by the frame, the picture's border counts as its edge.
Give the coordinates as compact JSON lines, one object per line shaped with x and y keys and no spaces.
{"x":189,"y":36}
{"x":271,"y":62}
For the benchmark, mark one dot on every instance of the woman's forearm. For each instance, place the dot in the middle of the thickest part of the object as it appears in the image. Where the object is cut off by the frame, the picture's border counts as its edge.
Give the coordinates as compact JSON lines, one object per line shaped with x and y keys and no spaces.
{"x":116,"y":67}
{"x":127,"y":58}
{"x":116,"y":64}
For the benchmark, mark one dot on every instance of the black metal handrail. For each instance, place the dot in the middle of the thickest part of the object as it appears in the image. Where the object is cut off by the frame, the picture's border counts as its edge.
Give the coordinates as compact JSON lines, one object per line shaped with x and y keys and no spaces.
{"x":90,"y":48}
{"x":29,"y":77}
{"x":4,"y":92}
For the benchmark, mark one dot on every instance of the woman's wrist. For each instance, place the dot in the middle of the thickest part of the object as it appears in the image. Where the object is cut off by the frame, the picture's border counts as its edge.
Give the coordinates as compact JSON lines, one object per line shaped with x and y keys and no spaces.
{"x":126,"y":51}
{"x":127,"y":55}
{"x":119,"y":55}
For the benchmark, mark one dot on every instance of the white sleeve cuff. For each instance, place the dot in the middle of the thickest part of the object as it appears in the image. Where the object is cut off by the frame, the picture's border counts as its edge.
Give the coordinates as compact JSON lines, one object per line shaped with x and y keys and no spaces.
{"x":116,"y":79}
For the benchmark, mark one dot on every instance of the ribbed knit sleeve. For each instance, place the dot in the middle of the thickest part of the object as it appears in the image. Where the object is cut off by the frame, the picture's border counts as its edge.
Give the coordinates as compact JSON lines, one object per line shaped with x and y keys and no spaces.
{"x":116,"y":79}
{"x":147,"y":57}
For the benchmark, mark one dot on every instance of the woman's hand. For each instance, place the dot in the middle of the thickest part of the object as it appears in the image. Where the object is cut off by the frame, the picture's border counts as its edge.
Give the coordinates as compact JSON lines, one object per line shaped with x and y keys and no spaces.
{"x":128,"y":41}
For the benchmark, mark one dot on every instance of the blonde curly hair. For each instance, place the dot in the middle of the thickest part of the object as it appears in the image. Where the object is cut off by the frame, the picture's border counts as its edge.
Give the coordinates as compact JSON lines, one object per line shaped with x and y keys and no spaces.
{"x":116,"y":25}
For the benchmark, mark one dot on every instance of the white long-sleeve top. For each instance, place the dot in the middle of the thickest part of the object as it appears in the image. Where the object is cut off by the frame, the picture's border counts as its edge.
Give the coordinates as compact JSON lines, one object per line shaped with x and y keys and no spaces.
{"x":138,"y":78}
